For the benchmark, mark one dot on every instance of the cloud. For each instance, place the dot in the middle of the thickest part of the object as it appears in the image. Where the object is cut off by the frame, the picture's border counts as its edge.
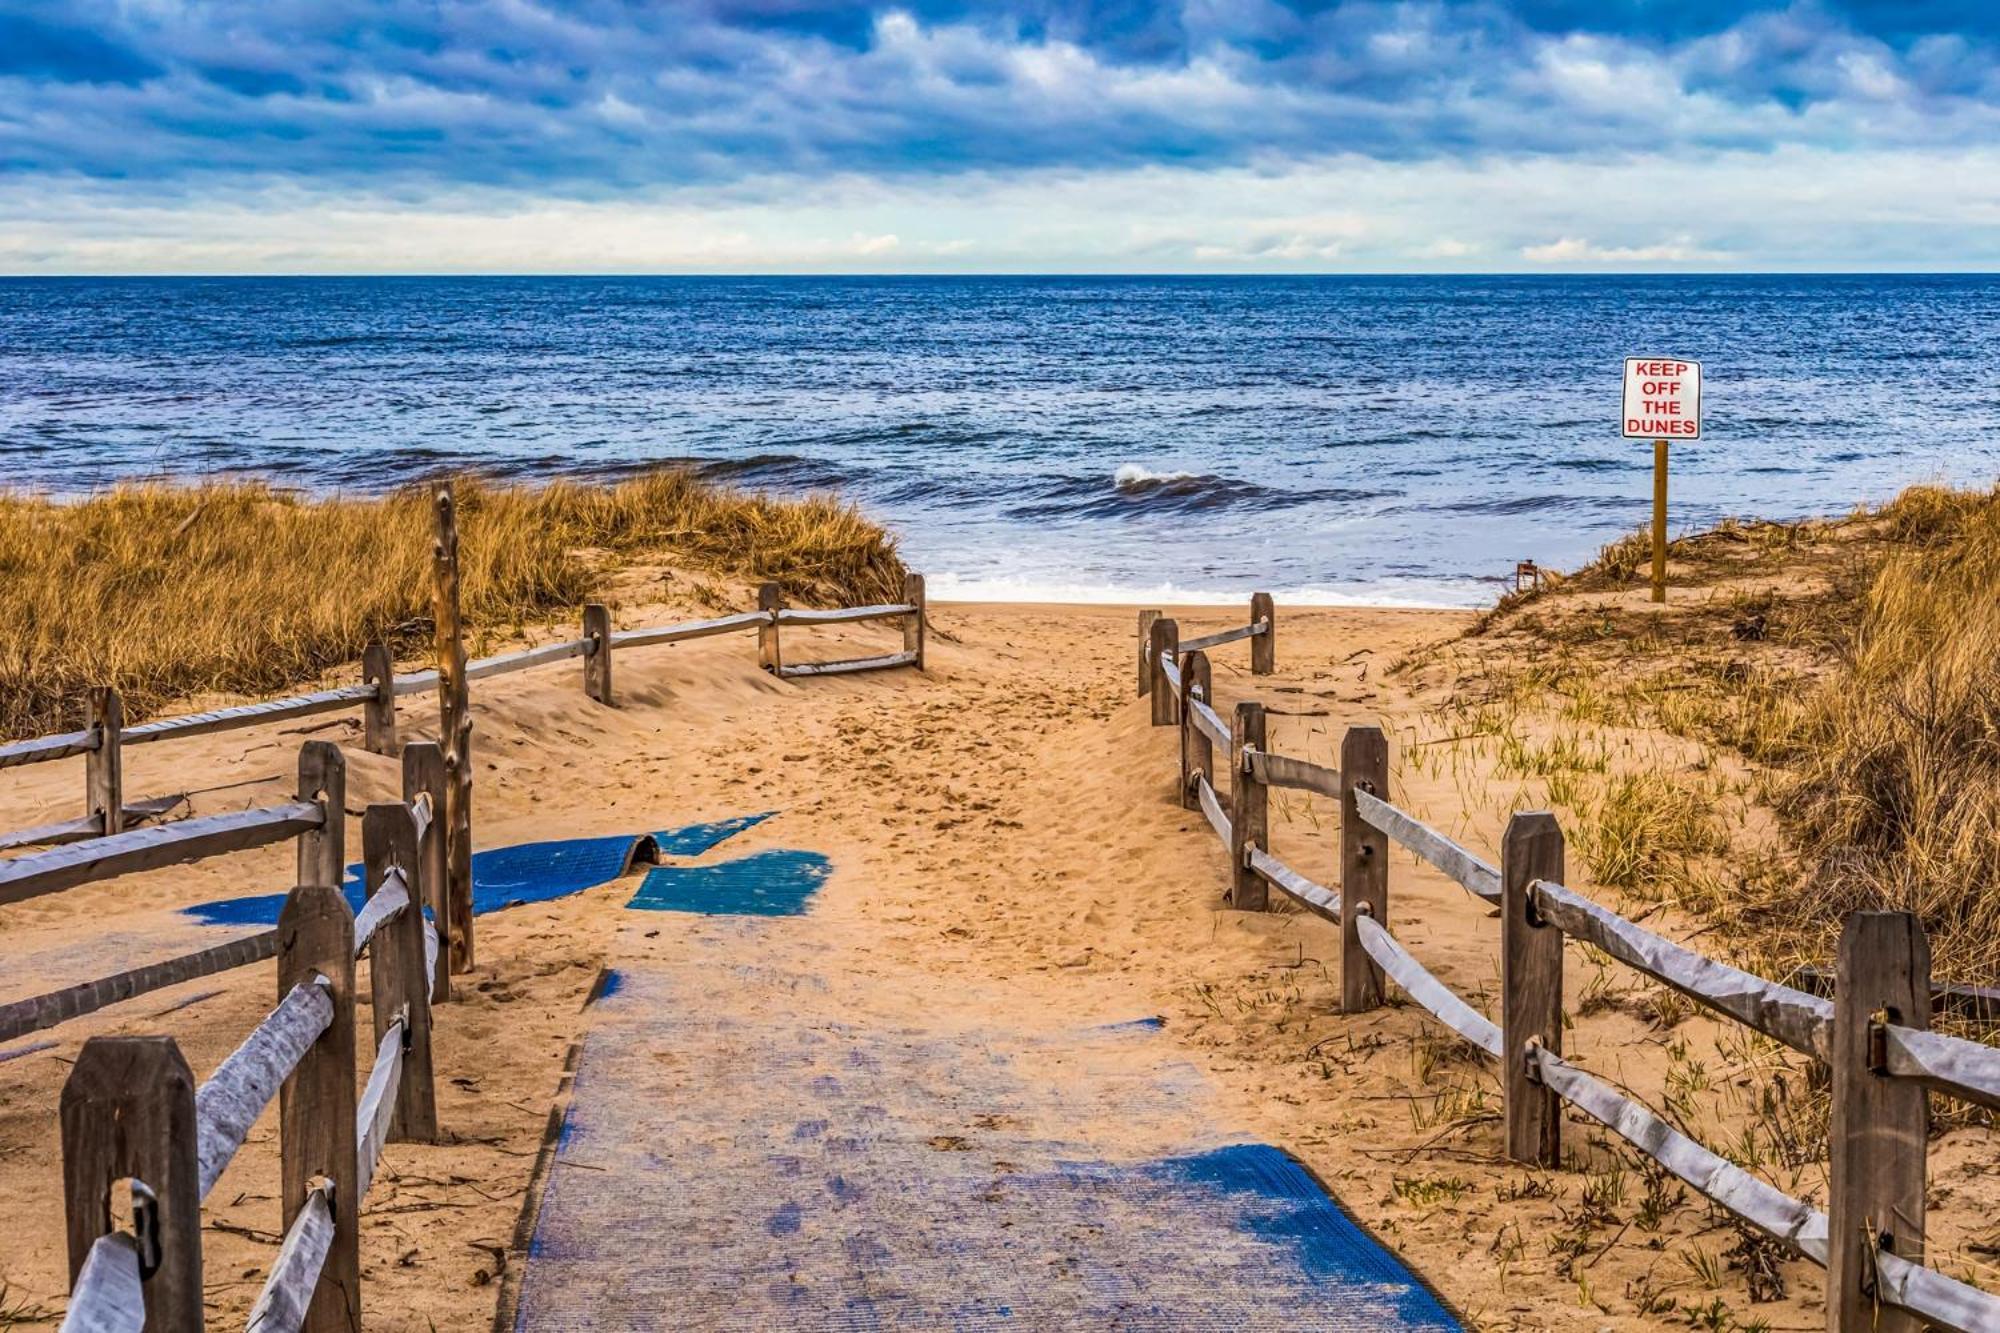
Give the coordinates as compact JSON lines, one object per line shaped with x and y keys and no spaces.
{"x":1572,"y":250}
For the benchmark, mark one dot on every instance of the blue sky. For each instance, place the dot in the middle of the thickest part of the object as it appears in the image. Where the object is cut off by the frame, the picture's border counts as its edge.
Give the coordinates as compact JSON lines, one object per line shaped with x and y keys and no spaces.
{"x":783,"y":135}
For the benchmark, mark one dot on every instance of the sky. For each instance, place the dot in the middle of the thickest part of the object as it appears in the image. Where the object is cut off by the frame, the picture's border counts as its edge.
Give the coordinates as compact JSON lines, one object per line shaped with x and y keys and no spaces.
{"x":745,"y":136}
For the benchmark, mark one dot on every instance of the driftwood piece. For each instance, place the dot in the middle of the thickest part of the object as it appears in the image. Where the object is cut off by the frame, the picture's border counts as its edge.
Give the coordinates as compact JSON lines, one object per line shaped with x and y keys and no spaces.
{"x":1364,"y":865}
{"x":228,"y":1104}
{"x":1315,"y":898}
{"x":1279,"y":770}
{"x":134,"y":850}
{"x":128,"y":1113}
{"x":1477,"y":877}
{"x":42,"y":749}
{"x":108,"y":1297}
{"x":1420,"y":985}
{"x":1249,"y":811}
{"x":104,"y":766}
{"x":1801,"y":1021}
{"x":689,"y":629}
{"x":1212,"y":807}
{"x":45,"y":1011}
{"x":316,"y":1104}
{"x":281,"y":1305}
{"x":882,"y":663}
{"x":1531,"y":988}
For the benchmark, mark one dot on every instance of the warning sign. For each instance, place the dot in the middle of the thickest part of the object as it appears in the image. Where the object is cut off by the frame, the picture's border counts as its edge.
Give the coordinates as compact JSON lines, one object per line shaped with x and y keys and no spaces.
{"x":1662,"y":398}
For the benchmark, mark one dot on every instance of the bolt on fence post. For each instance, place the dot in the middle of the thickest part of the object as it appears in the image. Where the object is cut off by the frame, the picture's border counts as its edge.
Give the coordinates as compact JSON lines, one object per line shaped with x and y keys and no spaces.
{"x":1146,"y":619}
{"x":1876,"y":1138}
{"x":913,"y":624}
{"x":396,"y":975}
{"x":769,"y":656}
{"x":1531,"y":988}
{"x":423,"y":772}
{"x":1263,"y":647}
{"x":378,"y":715}
{"x":1249,"y":817}
{"x":323,"y":778}
{"x":316,"y":1130}
{"x":1197,"y":750}
{"x":128,"y":1113}
{"x":1364,"y":865}
{"x":104,"y":765}
{"x":597,"y":652}
{"x":1164,"y":642}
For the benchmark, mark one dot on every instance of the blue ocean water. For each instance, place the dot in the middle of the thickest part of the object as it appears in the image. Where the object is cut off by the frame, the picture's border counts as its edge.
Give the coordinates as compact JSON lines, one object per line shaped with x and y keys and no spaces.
{"x":1330,"y":439}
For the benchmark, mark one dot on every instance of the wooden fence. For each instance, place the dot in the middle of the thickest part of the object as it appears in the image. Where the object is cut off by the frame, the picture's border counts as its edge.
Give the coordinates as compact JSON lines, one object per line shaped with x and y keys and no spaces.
{"x":1872,"y":1035}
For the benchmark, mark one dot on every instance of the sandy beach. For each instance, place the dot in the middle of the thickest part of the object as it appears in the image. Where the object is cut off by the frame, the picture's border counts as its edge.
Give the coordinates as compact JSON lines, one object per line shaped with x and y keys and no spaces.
{"x":1005,"y":840}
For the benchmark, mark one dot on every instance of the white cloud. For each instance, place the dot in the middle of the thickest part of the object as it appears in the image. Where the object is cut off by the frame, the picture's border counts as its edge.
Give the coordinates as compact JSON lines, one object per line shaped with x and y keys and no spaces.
{"x":1571,"y":251}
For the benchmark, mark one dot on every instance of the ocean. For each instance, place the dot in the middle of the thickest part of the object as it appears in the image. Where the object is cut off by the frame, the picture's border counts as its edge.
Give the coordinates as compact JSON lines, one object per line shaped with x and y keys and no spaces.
{"x":1329,"y":439}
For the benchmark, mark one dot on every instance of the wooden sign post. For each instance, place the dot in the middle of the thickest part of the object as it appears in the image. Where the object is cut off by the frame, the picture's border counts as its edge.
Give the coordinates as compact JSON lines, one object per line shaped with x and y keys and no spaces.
{"x":1662,"y":404}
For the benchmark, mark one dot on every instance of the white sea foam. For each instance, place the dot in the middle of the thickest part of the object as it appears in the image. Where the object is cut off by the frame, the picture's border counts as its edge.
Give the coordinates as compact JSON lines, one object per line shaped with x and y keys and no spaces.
{"x":1416,"y":594}
{"x":1130,"y":475}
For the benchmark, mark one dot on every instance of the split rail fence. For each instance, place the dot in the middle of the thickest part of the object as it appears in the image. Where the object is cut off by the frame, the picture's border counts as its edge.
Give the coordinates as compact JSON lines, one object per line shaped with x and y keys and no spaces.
{"x":1872,"y":1034}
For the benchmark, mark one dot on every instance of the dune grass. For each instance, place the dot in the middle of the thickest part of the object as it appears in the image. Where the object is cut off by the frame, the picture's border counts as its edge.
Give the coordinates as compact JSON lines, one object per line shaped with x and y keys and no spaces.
{"x":169,"y":591}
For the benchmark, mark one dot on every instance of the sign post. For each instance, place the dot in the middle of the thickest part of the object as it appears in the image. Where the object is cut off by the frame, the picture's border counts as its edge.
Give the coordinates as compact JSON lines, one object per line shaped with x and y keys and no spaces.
{"x":1662,"y":404}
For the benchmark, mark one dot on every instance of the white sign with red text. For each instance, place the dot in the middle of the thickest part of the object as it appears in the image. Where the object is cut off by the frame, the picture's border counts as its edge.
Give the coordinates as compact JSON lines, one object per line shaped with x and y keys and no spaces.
{"x":1662,"y":398}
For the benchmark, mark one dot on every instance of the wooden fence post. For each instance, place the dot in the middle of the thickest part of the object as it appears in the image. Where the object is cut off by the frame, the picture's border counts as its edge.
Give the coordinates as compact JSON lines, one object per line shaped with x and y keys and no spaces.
{"x":1263,"y":647}
{"x":1876,"y":1139}
{"x":770,"y":599}
{"x":1531,"y":988}
{"x":597,"y":660}
{"x":454,"y":730}
{"x":323,"y":778}
{"x":104,"y":766}
{"x":1197,"y":750}
{"x":423,"y":771}
{"x":128,"y":1113}
{"x":396,"y":974}
{"x":1146,"y":619}
{"x":378,"y":715}
{"x":913,"y":624}
{"x":1249,"y":820}
{"x":316,"y":1129}
{"x":1165,"y":641}
{"x":1364,"y":864}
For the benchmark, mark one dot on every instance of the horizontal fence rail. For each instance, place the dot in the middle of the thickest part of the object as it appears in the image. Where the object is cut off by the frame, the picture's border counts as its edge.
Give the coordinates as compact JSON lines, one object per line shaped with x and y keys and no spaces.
{"x":1872,"y":1033}
{"x":27,"y":877}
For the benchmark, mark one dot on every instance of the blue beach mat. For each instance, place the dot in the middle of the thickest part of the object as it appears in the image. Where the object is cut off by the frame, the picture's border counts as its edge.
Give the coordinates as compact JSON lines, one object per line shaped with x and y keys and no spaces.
{"x":774,"y":883}
{"x":530,"y":872}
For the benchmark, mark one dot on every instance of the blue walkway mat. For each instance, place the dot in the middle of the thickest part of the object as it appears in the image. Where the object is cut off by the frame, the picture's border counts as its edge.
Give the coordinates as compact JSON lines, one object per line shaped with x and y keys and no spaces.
{"x":740,"y":1154}
{"x":773,"y":883}
{"x":530,"y":872}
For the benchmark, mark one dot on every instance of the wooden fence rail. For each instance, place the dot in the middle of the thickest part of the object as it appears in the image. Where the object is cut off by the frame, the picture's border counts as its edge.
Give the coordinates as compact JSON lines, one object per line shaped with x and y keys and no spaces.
{"x":1873,"y":1034}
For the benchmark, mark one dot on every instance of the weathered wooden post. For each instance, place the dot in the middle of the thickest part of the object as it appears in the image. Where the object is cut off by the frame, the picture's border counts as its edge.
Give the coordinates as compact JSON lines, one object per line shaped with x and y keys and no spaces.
{"x":1164,"y":643}
{"x":128,"y":1114}
{"x":454,"y":729}
{"x":423,"y":772}
{"x":1364,"y":864}
{"x":770,"y":600}
{"x":1197,"y":750}
{"x":104,"y":765}
{"x":1531,"y":988}
{"x":913,"y":624}
{"x":1249,"y":817}
{"x":323,"y":778}
{"x":1146,"y":619}
{"x":316,"y":1130}
{"x":597,"y":655}
{"x":1876,"y":1139}
{"x":378,"y":715}
{"x":397,"y":978}
{"x":1264,"y":646}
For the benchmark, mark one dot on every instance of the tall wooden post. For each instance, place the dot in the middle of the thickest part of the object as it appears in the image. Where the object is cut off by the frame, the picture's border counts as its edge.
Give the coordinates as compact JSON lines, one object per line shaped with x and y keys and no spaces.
{"x":378,"y":715}
{"x":769,"y":599}
{"x":1248,"y":818}
{"x":913,"y":624}
{"x":423,"y":771}
{"x":396,"y":975}
{"x":1531,"y":988}
{"x":597,"y":659}
{"x":1197,"y":750}
{"x":128,"y":1113}
{"x":323,"y":778}
{"x":1659,"y":520}
{"x":1146,"y":619}
{"x":1164,"y":643}
{"x":1876,"y":1140}
{"x":1263,"y":647}
{"x":316,"y":1130}
{"x":454,"y":730}
{"x":1364,"y":864}
{"x":104,"y":766}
